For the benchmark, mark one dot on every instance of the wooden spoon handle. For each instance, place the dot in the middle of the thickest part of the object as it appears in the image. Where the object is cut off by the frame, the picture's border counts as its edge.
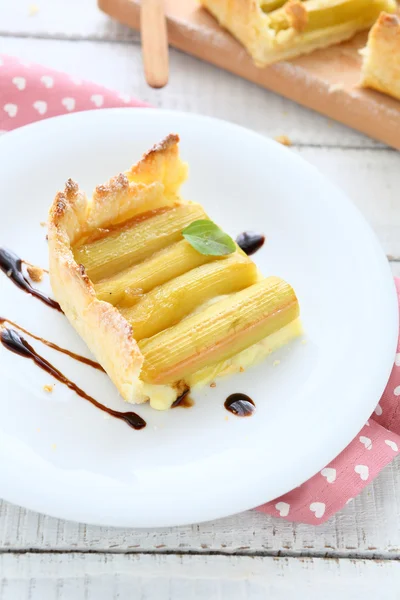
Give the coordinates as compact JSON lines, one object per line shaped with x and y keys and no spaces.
{"x":153,"y":27}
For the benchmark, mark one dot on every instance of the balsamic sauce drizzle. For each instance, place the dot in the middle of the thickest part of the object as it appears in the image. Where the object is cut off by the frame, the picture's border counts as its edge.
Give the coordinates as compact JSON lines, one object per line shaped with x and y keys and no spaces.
{"x":240,"y":405}
{"x":250,"y":242}
{"x":11,"y":265}
{"x":78,"y":357}
{"x":184,"y":400}
{"x":13,"y":341}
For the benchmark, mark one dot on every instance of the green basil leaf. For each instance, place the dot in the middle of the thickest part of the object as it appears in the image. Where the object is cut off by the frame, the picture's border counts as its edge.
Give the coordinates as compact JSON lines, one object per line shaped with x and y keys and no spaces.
{"x":207,"y":238}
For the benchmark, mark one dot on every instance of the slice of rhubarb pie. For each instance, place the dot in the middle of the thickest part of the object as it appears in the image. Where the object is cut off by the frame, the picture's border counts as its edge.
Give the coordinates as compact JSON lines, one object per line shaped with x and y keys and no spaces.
{"x":164,"y":299}
{"x":274,"y":30}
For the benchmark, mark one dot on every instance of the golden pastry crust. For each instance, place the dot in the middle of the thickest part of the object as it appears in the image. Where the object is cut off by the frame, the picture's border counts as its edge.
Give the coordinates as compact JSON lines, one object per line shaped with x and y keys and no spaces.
{"x":256,"y":29}
{"x":153,"y":182}
{"x":381,"y":63}
{"x":35,"y":273}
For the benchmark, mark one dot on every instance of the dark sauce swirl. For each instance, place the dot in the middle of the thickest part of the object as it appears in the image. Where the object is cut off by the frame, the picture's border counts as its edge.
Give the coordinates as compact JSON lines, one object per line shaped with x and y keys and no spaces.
{"x":11,"y":265}
{"x":240,"y":405}
{"x":250,"y":242}
{"x":184,"y":400}
{"x":13,"y":341}
{"x":78,"y":357}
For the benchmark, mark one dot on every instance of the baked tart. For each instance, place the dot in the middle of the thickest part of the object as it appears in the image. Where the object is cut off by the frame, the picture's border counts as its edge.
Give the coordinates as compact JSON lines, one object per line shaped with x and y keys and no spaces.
{"x":274,"y":30}
{"x":381,"y":56}
{"x":160,"y":314}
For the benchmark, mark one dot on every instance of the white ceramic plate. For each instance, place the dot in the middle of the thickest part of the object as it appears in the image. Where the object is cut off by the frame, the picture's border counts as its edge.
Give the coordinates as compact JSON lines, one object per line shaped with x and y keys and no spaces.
{"x":60,"y":456}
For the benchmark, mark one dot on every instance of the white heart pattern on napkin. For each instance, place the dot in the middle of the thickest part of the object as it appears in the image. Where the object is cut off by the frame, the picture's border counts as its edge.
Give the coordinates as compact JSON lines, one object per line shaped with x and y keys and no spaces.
{"x":69,"y":103}
{"x":392,"y":445}
{"x":362,"y":471}
{"x":318,"y":508}
{"x":11,"y":109}
{"x":366,"y":442}
{"x":40,"y":106}
{"x":329,"y":474}
{"x":19,"y":82}
{"x":283,"y":508}
{"x":97,"y":99}
{"x":47,"y":81}
{"x":378,"y":410}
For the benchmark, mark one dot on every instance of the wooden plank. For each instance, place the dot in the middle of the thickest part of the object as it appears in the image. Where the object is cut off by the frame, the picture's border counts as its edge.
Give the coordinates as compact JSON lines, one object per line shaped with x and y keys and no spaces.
{"x":311,"y":80}
{"x":108,"y":577}
{"x":74,"y":20}
{"x":194,"y":87}
{"x":368,"y":527}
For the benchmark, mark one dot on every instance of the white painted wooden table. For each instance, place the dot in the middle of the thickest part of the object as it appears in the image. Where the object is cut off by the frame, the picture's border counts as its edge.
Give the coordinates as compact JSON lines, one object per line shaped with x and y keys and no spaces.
{"x":356,"y":554}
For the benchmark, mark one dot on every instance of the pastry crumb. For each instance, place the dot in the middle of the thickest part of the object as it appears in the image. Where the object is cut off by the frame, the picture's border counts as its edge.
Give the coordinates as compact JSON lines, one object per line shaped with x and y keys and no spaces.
{"x":241,"y":370}
{"x":336,"y":87}
{"x":54,"y":446}
{"x":43,"y":223}
{"x":226,"y":418}
{"x":33,"y":9}
{"x":38,"y":429}
{"x":48,"y":388}
{"x":284,"y":140}
{"x":213,"y":384}
{"x":35,"y":273}
{"x":276,"y":363}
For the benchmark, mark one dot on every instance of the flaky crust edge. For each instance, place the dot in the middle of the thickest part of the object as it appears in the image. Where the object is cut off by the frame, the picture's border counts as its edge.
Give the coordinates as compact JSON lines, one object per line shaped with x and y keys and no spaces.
{"x":381,"y":57}
{"x":106,"y":332}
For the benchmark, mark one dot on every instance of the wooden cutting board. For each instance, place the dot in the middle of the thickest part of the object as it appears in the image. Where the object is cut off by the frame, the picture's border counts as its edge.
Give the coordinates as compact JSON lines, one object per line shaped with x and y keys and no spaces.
{"x":326,"y":80}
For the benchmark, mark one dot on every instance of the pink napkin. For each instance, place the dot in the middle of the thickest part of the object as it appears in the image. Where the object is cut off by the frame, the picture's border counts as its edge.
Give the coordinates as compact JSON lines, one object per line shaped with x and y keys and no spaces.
{"x":30,"y":92}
